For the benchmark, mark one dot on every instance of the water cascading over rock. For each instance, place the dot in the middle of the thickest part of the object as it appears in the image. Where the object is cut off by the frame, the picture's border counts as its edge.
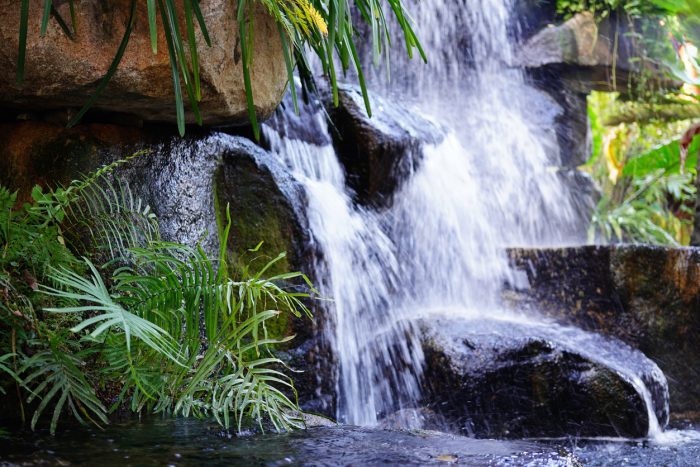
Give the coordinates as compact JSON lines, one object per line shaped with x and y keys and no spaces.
{"x":431,"y":241}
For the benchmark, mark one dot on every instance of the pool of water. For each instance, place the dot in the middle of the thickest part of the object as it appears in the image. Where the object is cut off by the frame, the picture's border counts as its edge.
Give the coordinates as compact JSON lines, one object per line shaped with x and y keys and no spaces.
{"x":192,"y":442}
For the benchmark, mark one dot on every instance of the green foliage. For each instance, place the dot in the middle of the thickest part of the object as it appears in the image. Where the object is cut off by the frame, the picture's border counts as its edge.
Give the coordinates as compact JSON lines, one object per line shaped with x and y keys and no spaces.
{"x":663,"y":158}
{"x":603,"y":8}
{"x":53,"y":375}
{"x":640,"y":148}
{"x":656,"y":209}
{"x":324,"y":27}
{"x":645,"y":198}
{"x":686,"y":11}
{"x":158,"y":326}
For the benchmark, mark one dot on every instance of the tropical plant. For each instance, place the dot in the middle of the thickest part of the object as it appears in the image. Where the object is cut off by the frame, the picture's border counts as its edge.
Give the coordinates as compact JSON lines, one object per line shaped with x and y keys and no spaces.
{"x":603,"y":8}
{"x":643,"y":148}
{"x":648,"y":191}
{"x":322,"y":26}
{"x":159,"y":326}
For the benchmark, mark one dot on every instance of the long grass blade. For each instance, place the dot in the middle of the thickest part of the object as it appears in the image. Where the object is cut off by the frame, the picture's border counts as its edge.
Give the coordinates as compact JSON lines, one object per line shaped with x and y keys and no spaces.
{"x":152,"y":25}
{"x":23,"y":26}
{"x":45,"y":17}
{"x":62,"y":24}
{"x":289,"y":63}
{"x":246,"y":36}
{"x":179,"y":104}
{"x":73,"y":16}
{"x":176,"y":39}
{"x":200,"y":20}
{"x":112,"y":68}
{"x":194,"y":56}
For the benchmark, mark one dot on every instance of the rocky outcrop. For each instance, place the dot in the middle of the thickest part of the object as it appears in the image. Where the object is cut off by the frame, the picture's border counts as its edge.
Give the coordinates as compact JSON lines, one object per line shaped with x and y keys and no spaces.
{"x":574,"y":42}
{"x":62,"y":73}
{"x":570,"y":60}
{"x":649,"y":297}
{"x":188,"y":182}
{"x":380,"y":151}
{"x":586,"y":49}
{"x":510,"y":380}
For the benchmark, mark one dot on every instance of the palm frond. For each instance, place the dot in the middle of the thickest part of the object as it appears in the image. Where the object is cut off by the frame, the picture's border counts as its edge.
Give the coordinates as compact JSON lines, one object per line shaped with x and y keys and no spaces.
{"x":108,"y":314}
{"x":4,"y":368}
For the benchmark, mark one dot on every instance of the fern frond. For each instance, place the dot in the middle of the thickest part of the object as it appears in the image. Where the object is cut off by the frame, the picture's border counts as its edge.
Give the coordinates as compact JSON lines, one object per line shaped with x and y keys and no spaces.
{"x":53,"y":376}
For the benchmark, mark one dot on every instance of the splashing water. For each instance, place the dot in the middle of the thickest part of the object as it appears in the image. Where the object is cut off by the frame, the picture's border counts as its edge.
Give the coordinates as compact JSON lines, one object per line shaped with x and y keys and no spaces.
{"x":360,"y":272}
{"x":490,"y":183}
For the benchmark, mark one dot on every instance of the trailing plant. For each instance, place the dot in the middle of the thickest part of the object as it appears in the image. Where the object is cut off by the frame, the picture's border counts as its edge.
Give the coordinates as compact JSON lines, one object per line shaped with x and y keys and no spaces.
{"x":324,"y":27}
{"x":141,"y":323}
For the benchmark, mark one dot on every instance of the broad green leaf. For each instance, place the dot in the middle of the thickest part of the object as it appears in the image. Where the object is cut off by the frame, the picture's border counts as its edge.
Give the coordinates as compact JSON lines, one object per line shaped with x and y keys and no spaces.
{"x":666,"y":157}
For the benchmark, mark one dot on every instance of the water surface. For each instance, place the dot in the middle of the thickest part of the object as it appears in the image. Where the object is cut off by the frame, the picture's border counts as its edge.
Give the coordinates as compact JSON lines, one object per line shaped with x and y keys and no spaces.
{"x":182,"y":442}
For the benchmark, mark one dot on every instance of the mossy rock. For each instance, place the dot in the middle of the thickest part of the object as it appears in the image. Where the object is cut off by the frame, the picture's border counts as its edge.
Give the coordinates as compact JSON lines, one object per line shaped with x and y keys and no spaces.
{"x":257,"y":193}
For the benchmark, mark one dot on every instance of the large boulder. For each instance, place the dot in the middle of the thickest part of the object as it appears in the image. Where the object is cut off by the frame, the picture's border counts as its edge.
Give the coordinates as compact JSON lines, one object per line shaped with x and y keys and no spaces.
{"x":190,"y":184}
{"x":378,"y":152}
{"x":649,"y":297}
{"x":62,"y":73}
{"x":586,"y":50}
{"x":508,"y":379}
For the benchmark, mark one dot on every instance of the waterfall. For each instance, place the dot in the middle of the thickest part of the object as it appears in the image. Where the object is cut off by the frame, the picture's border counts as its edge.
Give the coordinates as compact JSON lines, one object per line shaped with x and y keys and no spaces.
{"x":378,"y":355}
{"x":492,"y":182}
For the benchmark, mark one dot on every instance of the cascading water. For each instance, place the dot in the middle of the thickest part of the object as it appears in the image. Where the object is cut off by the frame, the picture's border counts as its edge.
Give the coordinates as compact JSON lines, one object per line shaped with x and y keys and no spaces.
{"x":361,"y":270}
{"x":489,"y":184}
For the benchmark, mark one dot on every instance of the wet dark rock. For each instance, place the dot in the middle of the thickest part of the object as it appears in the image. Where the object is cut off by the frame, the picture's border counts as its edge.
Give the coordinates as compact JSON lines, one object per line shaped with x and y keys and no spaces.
{"x":261,"y":197}
{"x":509,"y":380}
{"x":177,"y":177}
{"x":649,"y":297}
{"x":316,"y":371}
{"x":378,"y":152}
{"x":570,"y":123}
{"x":532,"y":16}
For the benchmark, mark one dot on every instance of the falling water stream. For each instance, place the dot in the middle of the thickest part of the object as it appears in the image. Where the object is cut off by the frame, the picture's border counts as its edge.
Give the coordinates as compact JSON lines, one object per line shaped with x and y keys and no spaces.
{"x":490,"y":183}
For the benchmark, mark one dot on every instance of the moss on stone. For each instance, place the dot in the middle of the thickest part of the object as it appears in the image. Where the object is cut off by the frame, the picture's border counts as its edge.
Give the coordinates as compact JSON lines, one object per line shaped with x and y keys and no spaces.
{"x":257,"y":215}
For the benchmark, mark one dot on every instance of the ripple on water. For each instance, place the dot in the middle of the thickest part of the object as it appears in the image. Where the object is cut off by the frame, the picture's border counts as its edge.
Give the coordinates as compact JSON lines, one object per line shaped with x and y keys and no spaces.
{"x":192,"y":442}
